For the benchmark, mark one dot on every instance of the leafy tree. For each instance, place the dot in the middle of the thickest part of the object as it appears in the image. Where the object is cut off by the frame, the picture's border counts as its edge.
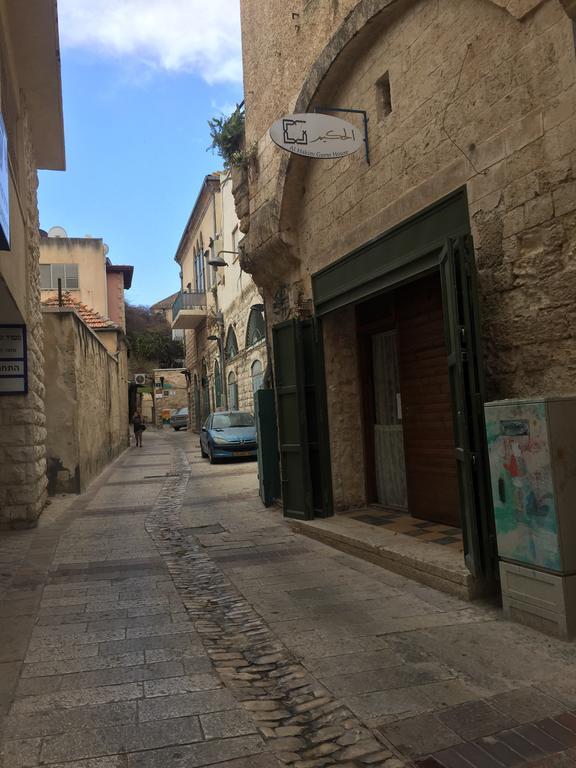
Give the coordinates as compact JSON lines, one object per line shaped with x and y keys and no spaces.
{"x":227,"y":134}
{"x":140,"y":319}
{"x":156,"y":345}
{"x":150,"y":338}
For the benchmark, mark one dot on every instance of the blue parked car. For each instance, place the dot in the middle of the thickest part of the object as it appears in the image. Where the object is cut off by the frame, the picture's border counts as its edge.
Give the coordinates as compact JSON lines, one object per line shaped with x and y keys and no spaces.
{"x":228,"y":434}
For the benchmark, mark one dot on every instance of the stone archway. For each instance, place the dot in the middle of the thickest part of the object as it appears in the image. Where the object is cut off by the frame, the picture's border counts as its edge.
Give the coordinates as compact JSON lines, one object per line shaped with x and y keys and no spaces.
{"x":270,"y":234}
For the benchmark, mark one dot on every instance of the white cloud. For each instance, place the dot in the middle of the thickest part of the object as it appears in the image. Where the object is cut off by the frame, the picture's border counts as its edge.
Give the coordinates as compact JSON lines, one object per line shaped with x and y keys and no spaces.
{"x":225,"y":108}
{"x":201,"y":36}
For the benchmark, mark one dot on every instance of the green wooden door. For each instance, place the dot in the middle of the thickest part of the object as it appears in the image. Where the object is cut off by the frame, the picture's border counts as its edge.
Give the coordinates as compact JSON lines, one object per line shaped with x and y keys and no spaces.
{"x":197,"y":414}
{"x":317,"y":418}
{"x":217,"y":385}
{"x":302,"y":420}
{"x":292,"y":427}
{"x":459,"y":293}
{"x":268,"y":474}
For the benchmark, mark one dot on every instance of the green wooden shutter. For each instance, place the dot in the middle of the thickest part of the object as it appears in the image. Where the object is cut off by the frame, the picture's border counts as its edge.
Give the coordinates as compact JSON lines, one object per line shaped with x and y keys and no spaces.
{"x":292,"y":426}
{"x":217,"y":385}
{"x":317,"y":417}
{"x":458,"y":277}
{"x":268,"y":474}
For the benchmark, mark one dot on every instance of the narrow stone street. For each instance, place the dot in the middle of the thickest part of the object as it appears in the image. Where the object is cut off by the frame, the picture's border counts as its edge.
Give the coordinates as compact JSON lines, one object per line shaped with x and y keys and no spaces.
{"x":165,"y":619}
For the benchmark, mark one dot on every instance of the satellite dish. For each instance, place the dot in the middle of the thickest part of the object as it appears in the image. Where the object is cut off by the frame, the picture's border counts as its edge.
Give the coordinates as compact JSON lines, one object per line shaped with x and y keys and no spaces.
{"x":106,"y":249}
{"x":57,"y":232}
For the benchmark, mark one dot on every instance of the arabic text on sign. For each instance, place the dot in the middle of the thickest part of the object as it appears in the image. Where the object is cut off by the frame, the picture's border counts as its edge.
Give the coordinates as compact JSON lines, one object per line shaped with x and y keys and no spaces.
{"x":316,"y":135}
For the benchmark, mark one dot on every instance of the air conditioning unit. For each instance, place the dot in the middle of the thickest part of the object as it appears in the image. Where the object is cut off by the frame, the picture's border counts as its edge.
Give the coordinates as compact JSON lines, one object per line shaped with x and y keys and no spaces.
{"x":140,"y":379}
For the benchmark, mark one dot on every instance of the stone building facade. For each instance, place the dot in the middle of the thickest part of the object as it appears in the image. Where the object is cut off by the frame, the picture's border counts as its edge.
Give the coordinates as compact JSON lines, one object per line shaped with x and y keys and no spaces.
{"x":31,"y":106}
{"x":220,"y":302}
{"x":468,"y":205}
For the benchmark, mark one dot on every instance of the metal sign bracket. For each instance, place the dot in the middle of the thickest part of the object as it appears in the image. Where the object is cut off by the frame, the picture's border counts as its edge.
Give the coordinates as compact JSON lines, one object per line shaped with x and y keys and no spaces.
{"x":356,"y":112}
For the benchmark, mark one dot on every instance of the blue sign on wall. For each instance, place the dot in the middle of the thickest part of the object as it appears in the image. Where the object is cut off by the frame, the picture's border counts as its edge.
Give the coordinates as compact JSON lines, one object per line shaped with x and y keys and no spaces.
{"x":13,"y":360}
{"x":4,"y":189}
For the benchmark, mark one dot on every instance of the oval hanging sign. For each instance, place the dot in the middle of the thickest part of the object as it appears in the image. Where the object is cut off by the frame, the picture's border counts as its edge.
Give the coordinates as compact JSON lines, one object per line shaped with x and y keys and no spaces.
{"x":316,"y":135}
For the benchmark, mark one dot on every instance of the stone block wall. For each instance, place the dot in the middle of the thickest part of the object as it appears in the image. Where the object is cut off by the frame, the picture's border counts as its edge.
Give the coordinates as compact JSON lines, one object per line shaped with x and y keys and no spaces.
{"x":483,"y":97}
{"x":23,"y":482}
{"x":200,"y":351}
{"x":86,"y":403}
{"x":344,"y":401}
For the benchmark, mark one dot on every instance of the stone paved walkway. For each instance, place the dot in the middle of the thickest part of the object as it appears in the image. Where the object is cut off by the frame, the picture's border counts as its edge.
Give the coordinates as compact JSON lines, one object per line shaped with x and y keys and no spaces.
{"x":166,"y":620}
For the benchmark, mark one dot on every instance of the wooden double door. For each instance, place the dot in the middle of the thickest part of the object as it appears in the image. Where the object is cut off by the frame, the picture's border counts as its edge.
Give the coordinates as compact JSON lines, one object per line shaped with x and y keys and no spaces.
{"x":408,"y":409}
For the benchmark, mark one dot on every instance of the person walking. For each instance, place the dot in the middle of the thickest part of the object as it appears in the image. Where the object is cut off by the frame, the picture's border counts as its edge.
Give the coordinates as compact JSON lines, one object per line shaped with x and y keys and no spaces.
{"x":139,"y":427}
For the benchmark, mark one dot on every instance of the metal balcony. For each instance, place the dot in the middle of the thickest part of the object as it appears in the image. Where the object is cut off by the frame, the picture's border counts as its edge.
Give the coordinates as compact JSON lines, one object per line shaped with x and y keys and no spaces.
{"x":188,"y":311}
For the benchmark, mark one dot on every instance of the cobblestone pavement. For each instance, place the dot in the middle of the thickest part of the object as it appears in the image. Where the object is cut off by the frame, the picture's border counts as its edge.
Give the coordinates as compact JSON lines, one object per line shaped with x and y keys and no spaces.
{"x":165,"y":619}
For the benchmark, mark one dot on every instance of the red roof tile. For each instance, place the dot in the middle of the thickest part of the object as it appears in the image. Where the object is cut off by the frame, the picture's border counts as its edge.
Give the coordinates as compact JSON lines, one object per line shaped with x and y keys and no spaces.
{"x":92,"y":318}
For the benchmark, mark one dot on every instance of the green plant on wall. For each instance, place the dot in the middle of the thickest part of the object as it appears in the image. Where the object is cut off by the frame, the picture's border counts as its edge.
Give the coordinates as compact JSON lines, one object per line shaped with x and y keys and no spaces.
{"x":228,"y":139}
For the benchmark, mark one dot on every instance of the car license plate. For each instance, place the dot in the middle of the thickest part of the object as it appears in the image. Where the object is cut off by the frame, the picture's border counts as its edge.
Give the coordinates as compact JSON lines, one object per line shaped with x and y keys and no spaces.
{"x":239,"y":453}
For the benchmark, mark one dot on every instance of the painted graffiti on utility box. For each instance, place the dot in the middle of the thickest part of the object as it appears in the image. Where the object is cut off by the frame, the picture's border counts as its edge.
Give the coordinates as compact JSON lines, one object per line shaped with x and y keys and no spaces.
{"x":522,"y":485}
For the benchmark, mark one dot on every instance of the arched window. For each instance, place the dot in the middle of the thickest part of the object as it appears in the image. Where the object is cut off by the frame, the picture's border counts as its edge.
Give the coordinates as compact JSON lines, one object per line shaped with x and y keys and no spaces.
{"x":257,"y":375}
{"x":256,"y":327}
{"x":232,"y":391}
{"x":231,"y":344}
{"x":217,"y":385}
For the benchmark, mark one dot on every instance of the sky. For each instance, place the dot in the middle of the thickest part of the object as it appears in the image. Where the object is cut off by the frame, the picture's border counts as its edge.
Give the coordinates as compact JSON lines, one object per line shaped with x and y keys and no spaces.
{"x":140,"y":80}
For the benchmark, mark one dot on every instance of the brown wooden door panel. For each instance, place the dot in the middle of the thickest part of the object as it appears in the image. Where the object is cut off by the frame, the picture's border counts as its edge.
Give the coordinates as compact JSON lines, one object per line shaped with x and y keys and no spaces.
{"x":426,"y":403}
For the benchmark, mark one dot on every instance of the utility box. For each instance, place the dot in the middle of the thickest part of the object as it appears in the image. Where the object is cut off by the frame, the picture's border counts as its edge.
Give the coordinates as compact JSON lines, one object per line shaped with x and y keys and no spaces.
{"x":532,"y":449}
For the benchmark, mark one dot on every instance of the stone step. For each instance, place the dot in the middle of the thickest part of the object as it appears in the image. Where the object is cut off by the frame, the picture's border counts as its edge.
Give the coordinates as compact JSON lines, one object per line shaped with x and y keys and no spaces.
{"x":432,"y":564}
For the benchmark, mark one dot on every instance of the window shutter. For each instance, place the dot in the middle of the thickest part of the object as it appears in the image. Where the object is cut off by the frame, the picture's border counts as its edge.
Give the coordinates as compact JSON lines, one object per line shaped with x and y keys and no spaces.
{"x":45,"y":277}
{"x":71,"y":271}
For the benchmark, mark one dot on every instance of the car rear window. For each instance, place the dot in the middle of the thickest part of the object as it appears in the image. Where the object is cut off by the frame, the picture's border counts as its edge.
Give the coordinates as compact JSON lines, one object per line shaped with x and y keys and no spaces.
{"x":225,"y":420}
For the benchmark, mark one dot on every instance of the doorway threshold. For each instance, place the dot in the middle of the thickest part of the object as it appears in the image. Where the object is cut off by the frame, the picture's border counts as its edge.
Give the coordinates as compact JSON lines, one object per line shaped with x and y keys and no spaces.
{"x":420,"y":558}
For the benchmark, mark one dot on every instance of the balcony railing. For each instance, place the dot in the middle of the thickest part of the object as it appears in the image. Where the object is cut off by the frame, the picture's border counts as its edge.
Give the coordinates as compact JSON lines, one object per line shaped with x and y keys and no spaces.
{"x":188,"y":301}
{"x":188,"y":311}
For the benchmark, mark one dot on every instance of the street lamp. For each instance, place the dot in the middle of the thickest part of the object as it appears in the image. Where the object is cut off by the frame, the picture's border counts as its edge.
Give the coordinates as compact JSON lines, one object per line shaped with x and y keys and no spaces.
{"x":218,"y":261}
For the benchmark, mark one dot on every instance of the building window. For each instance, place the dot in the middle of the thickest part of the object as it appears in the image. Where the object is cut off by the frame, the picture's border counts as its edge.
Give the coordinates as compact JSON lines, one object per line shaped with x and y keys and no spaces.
{"x":256,"y":327}
{"x":51,"y":273}
{"x":200,"y":283}
{"x":257,"y":375}
{"x":231,"y":348}
{"x":383,"y":97}
{"x":232,"y":391}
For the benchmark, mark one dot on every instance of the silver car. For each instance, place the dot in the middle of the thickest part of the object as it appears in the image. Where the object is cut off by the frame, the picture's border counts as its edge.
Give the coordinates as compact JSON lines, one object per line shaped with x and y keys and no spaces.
{"x":179,"y":419}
